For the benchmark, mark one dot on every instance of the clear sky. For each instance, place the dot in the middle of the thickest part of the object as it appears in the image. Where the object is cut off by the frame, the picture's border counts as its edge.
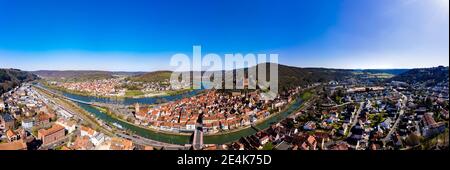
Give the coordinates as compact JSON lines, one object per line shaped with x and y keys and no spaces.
{"x":138,"y":35}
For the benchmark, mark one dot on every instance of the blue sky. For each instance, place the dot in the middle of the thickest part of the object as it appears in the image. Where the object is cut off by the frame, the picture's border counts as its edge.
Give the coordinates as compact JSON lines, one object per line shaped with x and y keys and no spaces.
{"x":138,"y":35}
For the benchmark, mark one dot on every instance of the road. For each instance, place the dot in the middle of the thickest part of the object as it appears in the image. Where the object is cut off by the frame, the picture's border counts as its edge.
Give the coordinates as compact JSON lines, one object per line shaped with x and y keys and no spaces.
{"x":343,"y":104}
{"x":144,"y":141}
{"x":397,"y":121}
{"x":304,"y":106}
{"x":355,"y":118}
{"x":198,"y":137}
{"x":353,"y":123}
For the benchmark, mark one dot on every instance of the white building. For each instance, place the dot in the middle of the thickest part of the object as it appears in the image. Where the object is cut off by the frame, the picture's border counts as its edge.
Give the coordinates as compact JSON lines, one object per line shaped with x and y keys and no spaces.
{"x":2,"y":105}
{"x":29,"y":105}
{"x":27,"y":124}
{"x":64,"y":114}
{"x":190,"y":126}
{"x":97,"y":139}
{"x":67,"y":124}
{"x":264,"y":140}
{"x":86,"y":131}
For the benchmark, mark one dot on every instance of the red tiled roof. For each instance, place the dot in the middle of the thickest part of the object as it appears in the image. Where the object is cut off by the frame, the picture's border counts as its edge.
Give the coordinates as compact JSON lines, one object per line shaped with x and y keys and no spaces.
{"x":53,"y":129}
{"x":88,"y":130}
{"x":16,"y":145}
{"x":10,"y":133}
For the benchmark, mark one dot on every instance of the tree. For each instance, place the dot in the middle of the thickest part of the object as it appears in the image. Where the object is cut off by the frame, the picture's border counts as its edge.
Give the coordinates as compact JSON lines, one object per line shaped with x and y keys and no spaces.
{"x":413,"y":140}
{"x":428,"y":102}
{"x":268,"y":146}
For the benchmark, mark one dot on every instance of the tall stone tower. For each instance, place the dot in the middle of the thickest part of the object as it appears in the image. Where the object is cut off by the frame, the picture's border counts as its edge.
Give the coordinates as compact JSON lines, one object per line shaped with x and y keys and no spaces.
{"x":137,"y":107}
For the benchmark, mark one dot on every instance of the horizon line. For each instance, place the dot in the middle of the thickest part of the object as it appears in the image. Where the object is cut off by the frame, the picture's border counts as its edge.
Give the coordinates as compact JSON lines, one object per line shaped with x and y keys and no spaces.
{"x":130,"y":71}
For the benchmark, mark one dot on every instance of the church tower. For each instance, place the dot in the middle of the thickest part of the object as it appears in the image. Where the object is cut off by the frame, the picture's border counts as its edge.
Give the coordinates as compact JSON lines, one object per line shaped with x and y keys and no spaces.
{"x":137,"y":107}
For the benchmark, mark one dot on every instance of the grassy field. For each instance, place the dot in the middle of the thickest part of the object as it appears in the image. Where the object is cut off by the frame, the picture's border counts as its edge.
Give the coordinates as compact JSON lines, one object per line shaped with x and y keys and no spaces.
{"x":306,"y":95}
{"x":133,"y":93}
{"x":157,"y":76}
{"x":177,"y":92}
{"x":268,"y":146}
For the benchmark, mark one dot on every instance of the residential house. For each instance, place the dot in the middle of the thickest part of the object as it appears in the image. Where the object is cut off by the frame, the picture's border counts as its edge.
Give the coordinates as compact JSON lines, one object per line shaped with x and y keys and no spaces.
{"x":224,"y":125}
{"x":340,"y":146}
{"x":245,"y":121}
{"x":430,"y":127}
{"x":283,"y":146}
{"x":207,"y":127}
{"x":12,"y":135}
{"x":97,"y":139}
{"x":86,"y":131}
{"x":2,"y":105}
{"x":166,"y":126}
{"x":312,"y":142}
{"x":190,"y":126}
{"x":67,"y":124}
{"x":27,"y":124}
{"x":15,"y":145}
{"x":209,"y":119}
{"x":444,"y":114}
{"x":121,"y":144}
{"x":42,"y":119}
{"x":386,"y":124}
{"x":7,"y":121}
{"x":216,"y":126}
{"x":82,"y":143}
{"x":310,"y":125}
{"x":264,"y":139}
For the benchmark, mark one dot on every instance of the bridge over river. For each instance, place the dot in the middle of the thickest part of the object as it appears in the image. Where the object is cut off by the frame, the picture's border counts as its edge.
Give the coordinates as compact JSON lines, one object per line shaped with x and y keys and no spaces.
{"x":197,"y":142}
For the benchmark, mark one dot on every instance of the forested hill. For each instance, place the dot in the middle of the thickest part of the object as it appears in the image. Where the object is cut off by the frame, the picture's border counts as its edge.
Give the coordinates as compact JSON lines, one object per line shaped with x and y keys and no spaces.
{"x":430,"y":76}
{"x":10,"y":78}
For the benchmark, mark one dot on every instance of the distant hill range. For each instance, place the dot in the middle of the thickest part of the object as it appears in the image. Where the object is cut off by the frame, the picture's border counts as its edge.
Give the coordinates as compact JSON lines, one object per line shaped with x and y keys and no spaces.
{"x":431,"y":76}
{"x":82,"y":75}
{"x":10,"y":78}
{"x":73,"y":75}
{"x":388,"y":71}
{"x":289,"y":76}
{"x":156,"y":76}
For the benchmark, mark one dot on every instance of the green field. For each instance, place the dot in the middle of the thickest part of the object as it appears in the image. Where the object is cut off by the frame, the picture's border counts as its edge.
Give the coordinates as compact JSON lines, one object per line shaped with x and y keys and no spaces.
{"x":306,"y":95}
{"x":157,"y":76}
{"x":133,"y":93}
